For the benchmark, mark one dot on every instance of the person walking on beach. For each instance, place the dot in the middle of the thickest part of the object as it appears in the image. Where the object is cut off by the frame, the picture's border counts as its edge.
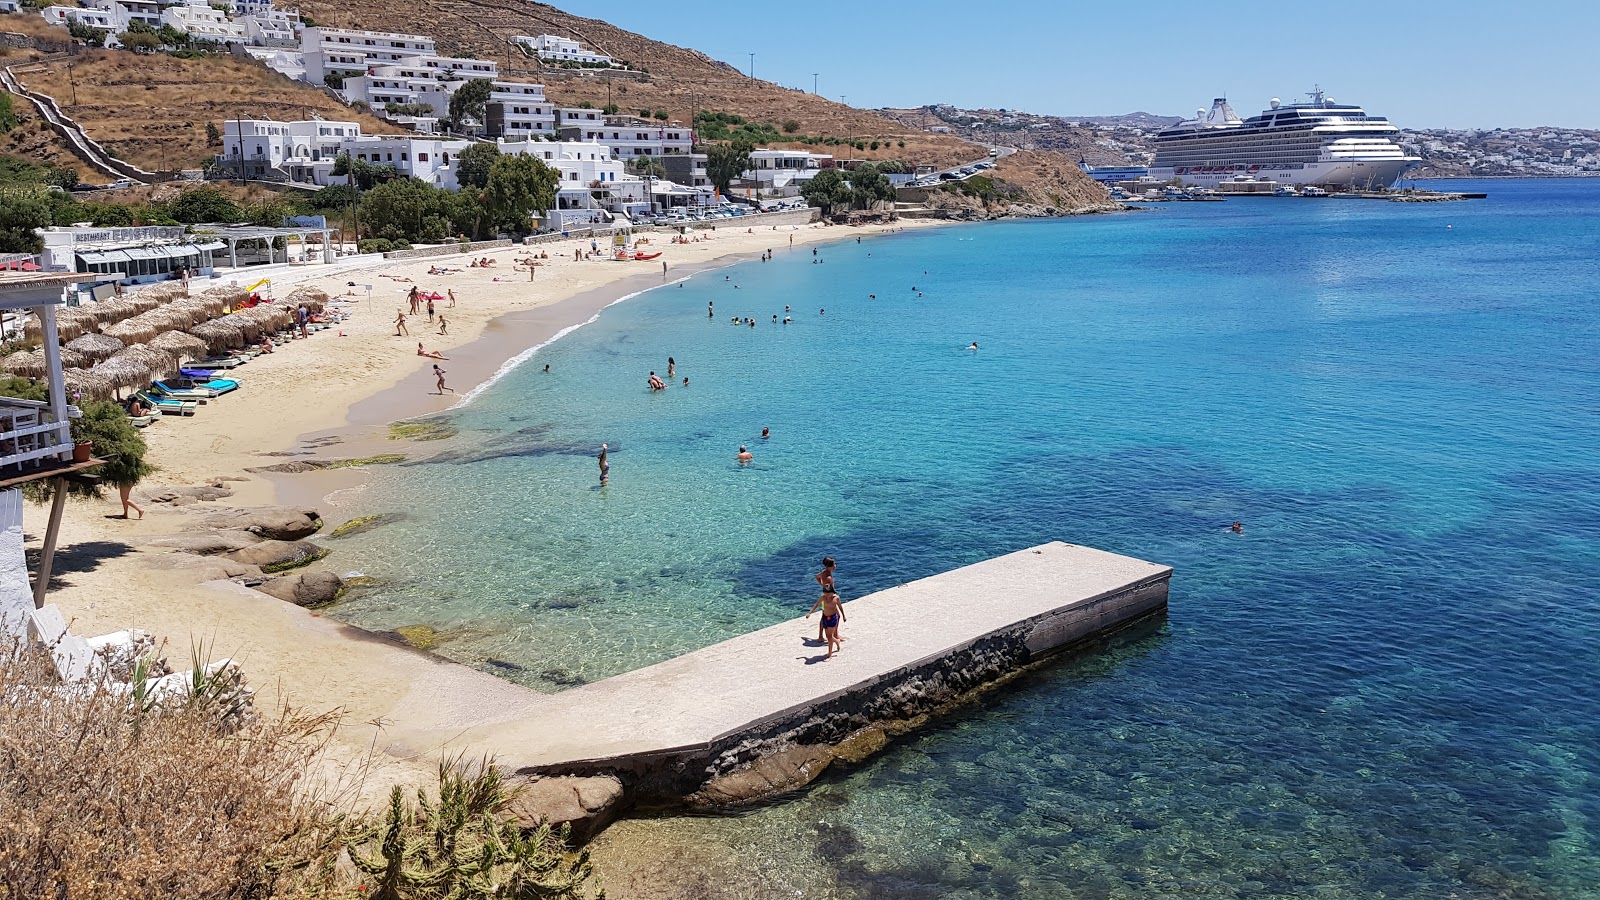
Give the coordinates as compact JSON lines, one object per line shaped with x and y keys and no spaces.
{"x":411,"y":297}
{"x":663,"y":268}
{"x":605,"y":467}
{"x":430,"y":308}
{"x":832,"y":615}
{"x":303,"y":316}
{"x":452,"y":295}
{"x":824,"y":580}
{"x":438,"y":374}
{"x":444,"y":326}
{"x":400,"y":325}
{"x":127,"y":502}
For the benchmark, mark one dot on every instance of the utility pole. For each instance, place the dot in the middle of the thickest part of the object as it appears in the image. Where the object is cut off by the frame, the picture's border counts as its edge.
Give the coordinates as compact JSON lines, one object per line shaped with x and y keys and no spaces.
{"x":238,"y":125}
{"x":752,"y":65}
{"x":813,"y":82}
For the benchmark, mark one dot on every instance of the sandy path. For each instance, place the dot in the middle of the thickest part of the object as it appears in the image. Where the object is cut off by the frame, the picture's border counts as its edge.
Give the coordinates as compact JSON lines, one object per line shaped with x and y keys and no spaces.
{"x":106,"y":578}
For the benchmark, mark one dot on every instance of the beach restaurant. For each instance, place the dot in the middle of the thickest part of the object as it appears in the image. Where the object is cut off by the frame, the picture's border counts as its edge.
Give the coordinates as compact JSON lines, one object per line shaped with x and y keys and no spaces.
{"x":140,"y":254}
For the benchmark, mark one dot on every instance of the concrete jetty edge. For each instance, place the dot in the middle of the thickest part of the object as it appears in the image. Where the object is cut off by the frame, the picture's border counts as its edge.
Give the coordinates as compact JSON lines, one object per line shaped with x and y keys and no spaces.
{"x":780,"y":749}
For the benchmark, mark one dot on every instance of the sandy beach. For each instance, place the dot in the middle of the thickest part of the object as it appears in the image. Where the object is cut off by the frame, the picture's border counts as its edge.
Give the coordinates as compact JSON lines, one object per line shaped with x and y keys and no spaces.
{"x":344,"y":385}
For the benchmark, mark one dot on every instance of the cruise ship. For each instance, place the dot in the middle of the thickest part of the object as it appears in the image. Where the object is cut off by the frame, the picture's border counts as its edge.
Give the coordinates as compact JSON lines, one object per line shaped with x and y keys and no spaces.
{"x":1319,"y":142}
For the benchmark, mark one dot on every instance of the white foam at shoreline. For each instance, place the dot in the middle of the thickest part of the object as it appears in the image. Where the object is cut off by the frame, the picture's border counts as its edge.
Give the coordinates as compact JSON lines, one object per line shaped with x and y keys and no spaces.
{"x":510,"y":365}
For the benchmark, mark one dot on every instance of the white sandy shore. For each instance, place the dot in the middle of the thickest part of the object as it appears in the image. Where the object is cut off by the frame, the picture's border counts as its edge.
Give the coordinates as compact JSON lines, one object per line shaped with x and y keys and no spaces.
{"x":351,"y":383}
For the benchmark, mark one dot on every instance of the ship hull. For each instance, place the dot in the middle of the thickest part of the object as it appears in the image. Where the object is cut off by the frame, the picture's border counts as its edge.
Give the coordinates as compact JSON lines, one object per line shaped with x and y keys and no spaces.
{"x":1344,"y":174}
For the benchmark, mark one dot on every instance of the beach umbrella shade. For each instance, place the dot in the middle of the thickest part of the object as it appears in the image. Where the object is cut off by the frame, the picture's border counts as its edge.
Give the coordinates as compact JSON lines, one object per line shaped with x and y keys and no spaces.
{"x":82,"y":316}
{"x":229,"y":295}
{"x":181,"y":345}
{"x":206,"y":307}
{"x":114,"y":310}
{"x":67,"y":328}
{"x":123,"y":372}
{"x":95,"y":346}
{"x":160,"y":363}
{"x":132,"y":331}
{"x":220,"y":336}
{"x":79,"y":383}
{"x":270,"y":317}
{"x":248,"y":327}
{"x":72,"y":359}
{"x":143,"y":302}
{"x":25,"y":363}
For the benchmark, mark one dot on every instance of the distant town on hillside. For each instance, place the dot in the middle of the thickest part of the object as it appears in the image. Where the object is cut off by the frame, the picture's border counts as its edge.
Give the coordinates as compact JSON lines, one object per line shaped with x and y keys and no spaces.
{"x":1126,"y":140}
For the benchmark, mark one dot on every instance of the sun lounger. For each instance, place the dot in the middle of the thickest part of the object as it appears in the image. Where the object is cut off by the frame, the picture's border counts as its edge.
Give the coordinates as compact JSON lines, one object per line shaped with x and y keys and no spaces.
{"x":161,"y":389}
{"x":144,"y":421}
{"x":221,"y":362}
{"x":169,"y":407}
{"x":207,"y":387}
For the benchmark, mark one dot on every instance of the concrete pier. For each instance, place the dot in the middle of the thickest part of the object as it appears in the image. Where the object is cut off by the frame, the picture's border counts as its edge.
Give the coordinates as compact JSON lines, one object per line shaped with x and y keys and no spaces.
{"x":709,"y":725}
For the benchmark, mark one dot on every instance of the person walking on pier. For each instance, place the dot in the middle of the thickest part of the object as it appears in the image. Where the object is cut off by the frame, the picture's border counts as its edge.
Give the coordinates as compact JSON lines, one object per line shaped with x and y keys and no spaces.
{"x":832,"y":615}
{"x":824,"y":580}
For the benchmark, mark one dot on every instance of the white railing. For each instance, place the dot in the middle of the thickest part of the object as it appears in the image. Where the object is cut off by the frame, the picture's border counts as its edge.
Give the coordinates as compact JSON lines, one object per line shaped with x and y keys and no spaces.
{"x":26,"y":434}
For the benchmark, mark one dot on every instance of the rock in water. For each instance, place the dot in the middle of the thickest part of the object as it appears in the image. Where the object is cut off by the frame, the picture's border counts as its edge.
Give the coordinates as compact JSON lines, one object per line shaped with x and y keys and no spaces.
{"x":308,"y":589}
{"x":765,"y":776}
{"x":587,"y":804}
{"x":280,"y":523}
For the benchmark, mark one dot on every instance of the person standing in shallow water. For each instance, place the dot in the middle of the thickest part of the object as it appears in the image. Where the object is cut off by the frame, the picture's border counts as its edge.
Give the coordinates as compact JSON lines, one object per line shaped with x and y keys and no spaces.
{"x":605,"y":465}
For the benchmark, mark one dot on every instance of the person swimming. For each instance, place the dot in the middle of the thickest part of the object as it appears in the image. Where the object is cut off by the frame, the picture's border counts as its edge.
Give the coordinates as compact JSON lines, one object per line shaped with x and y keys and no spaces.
{"x":765,"y":433}
{"x":974,"y":346}
{"x":745,"y":456}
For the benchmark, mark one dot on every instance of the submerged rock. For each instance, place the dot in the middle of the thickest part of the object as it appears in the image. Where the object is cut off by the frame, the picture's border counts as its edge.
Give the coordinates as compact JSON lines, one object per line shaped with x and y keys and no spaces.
{"x":587,"y":804}
{"x":364,"y":523}
{"x":786,"y":770}
{"x":422,"y":637}
{"x":280,"y":523}
{"x":308,"y":589}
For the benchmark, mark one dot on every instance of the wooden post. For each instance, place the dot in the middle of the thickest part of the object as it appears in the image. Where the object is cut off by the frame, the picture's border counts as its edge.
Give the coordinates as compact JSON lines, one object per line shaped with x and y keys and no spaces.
{"x":47,"y":556}
{"x":52,"y":363}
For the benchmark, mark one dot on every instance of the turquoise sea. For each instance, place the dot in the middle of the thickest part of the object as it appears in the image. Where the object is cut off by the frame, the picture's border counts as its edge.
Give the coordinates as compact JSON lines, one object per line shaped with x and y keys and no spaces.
{"x":1387,"y":686}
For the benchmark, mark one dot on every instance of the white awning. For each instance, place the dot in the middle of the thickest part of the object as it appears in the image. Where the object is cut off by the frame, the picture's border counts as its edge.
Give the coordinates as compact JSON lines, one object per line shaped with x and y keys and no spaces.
{"x":143,"y":252}
{"x":104,"y":256}
{"x":212,"y":245}
{"x":180,"y":251}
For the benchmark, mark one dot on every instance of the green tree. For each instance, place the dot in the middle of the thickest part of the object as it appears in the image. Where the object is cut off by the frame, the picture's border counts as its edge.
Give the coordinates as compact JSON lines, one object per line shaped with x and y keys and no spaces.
{"x":790,"y":126}
{"x":397,"y":209}
{"x":470,"y":101}
{"x":725,"y":162}
{"x":827,"y":190}
{"x":204,"y":204}
{"x":661,"y":114}
{"x":611,"y":109}
{"x":116,"y":441}
{"x":22,"y":210}
{"x":92,"y":37}
{"x":333,"y":198}
{"x":520,"y":187}
{"x":868,"y":186}
{"x":139,"y":41}
{"x":175,"y":38}
{"x":473,"y":164}
{"x":646,"y":167}
{"x":213,"y":135}
{"x":366,"y":175}
{"x":8,"y":118}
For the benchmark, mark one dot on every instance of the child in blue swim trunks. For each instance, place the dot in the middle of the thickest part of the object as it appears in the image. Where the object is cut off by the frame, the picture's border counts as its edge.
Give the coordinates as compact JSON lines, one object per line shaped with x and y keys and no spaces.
{"x":832,"y":615}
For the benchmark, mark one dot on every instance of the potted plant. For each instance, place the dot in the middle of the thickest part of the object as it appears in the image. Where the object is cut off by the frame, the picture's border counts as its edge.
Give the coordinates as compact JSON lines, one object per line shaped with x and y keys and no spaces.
{"x":82,"y":451}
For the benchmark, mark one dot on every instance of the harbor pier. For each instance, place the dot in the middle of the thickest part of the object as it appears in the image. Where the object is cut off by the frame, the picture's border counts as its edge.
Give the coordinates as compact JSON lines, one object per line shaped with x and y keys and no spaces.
{"x":765,"y":712}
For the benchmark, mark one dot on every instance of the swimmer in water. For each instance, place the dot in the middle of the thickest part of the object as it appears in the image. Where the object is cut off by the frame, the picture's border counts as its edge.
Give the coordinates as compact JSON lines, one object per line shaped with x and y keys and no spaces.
{"x":1237,"y":528}
{"x":974,"y":346}
{"x":765,"y":433}
{"x":745,"y":456}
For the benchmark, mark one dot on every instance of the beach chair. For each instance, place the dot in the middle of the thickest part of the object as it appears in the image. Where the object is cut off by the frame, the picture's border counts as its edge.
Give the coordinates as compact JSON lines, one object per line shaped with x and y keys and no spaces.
{"x":162,"y":389}
{"x":144,"y":421}
{"x":208,"y":387}
{"x":221,"y":362}
{"x":75,"y":658}
{"x":168,"y":407}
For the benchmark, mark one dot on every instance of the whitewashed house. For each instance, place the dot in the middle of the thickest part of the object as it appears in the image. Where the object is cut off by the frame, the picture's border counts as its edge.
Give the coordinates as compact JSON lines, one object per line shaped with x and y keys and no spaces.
{"x":272,"y":28}
{"x":344,"y":53}
{"x":94,"y":18}
{"x":627,"y":136}
{"x":781,"y":173}
{"x":593,"y":184}
{"x":560,"y":49}
{"x":203,"y":22}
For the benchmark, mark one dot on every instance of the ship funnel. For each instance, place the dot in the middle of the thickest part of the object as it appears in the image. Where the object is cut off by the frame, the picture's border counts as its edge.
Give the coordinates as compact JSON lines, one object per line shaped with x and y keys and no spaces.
{"x":1274,"y":102}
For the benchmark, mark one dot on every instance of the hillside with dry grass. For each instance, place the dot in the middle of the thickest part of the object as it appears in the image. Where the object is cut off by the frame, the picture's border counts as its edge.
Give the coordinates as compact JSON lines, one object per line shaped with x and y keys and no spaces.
{"x":679,"y":80}
{"x":152,"y":110}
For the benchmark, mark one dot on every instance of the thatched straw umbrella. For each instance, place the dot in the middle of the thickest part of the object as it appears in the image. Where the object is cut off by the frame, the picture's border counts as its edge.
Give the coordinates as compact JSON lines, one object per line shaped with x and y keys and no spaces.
{"x":160,"y":363}
{"x":78,"y":382}
{"x":114,"y":310}
{"x":123,"y":372}
{"x":230,"y":295}
{"x":133,"y":331}
{"x":220,"y":336}
{"x":205,"y":307}
{"x":95,"y":346}
{"x":271,"y":316}
{"x":67,"y":328}
{"x":25,"y":363}
{"x":183,"y":346}
{"x":249,"y":328}
{"x":83,"y":316}
{"x":72,"y":359}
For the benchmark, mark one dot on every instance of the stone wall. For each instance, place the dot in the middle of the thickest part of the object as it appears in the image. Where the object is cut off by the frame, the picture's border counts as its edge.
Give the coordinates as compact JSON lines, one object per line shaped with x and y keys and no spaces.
{"x":447,"y":250}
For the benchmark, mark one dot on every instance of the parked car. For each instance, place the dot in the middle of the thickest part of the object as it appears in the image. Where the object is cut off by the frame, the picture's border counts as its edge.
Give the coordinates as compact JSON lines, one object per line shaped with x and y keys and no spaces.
{"x":949,"y":176}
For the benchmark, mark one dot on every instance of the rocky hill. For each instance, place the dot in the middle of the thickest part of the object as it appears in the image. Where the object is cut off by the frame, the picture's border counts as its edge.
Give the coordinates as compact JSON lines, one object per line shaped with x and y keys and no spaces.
{"x":152,"y":110}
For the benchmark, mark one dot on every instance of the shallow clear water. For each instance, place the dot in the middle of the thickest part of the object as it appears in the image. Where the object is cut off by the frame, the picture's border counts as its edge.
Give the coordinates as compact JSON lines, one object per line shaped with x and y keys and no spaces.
{"x":1385,"y":687}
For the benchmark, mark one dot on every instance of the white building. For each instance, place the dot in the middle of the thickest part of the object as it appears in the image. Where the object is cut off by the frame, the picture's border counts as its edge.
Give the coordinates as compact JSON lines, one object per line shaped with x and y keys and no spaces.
{"x":272,"y":28}
{"x":781,"y":173}
{"x":593,"y":184}
{"x":140,"y":254}
{"x":127,"y":11}
{"x":627,"y":136}
{"x":255,"y":8}
{"x":94,"y":18}
{"x":305,"y":152}
{"x":519,"y":109}
{"x":10,"y":6}
{"x":203,"y":22}
{"x":344,"y":53}
{"x":550,"y":47}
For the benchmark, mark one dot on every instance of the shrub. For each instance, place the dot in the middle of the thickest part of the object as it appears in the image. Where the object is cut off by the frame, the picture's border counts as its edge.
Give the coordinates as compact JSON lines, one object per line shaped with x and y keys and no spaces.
{"x":790,"y":126}
{"x":374,"y":245}
{"x":116,"y":441}
{"x":152,"y":799}
{"x":661,"y":114}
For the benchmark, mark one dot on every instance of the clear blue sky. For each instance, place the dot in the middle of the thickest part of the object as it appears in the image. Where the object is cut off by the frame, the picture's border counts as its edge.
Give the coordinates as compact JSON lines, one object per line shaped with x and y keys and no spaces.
{"x":1471,"y":63}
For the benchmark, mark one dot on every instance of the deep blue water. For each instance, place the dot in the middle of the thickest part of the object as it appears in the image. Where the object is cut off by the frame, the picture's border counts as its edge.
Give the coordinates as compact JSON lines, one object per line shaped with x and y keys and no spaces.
{"x":1385,"y":687}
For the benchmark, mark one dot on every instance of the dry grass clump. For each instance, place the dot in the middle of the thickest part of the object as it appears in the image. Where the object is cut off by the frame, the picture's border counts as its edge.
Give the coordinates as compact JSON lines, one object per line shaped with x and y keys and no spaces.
{"x":107,"y":795}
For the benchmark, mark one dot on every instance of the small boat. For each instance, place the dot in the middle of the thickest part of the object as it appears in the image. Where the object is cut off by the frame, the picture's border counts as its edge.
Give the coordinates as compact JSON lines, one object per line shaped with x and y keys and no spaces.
{"x":1285,"y":191}
{"x":1312,"y":191}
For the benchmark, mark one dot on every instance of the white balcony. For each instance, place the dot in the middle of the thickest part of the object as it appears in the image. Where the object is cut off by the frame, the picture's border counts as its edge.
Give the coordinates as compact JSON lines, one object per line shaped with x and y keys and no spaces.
{"x":29,"y":434}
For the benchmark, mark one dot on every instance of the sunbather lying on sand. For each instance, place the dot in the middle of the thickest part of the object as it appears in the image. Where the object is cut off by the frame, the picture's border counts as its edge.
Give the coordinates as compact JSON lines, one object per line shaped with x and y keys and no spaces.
{"x":431,"y":354}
